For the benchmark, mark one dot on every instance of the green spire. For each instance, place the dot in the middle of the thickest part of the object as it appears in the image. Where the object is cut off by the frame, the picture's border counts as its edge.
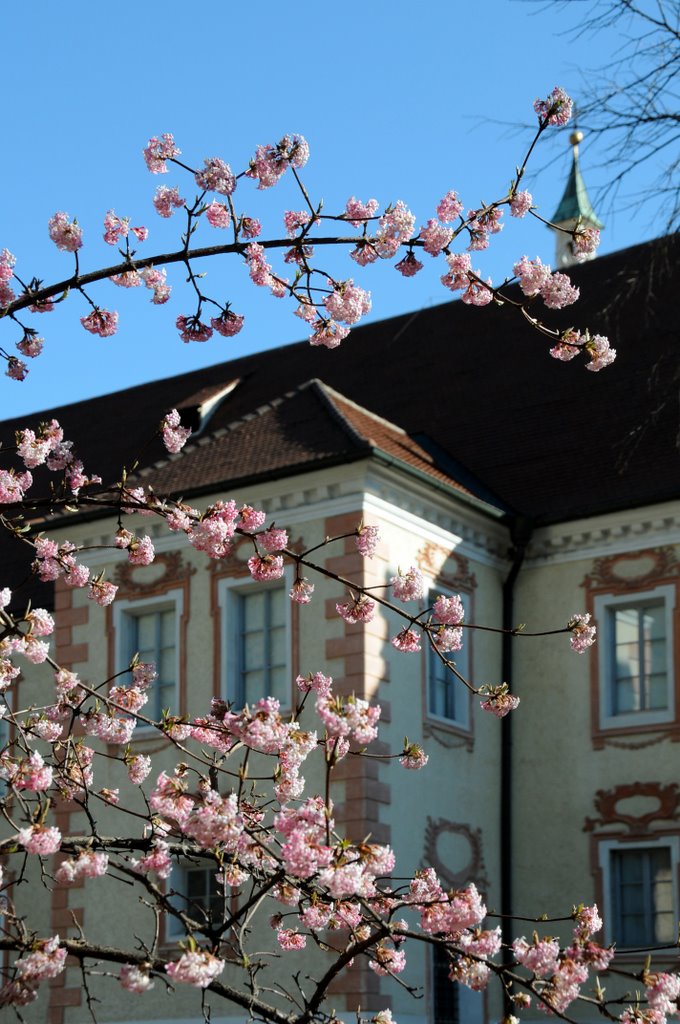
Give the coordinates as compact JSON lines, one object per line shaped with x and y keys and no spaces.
{"x":575,"y":202}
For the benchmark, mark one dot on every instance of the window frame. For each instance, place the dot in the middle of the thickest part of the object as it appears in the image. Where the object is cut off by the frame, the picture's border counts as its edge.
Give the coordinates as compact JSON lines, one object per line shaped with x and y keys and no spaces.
{"x":604,"y":605}
{"x":127,"y":609}
{"x":462,"y":722}
{"x":172,"y":929}
{"x":606,"y":847}
{"x":229,"y":591}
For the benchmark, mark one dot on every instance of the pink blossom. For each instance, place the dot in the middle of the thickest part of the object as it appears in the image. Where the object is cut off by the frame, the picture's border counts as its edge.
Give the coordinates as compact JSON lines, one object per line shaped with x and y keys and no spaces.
{"x":250,"y":227}
{"x":301,"y":591}
{"x":33,"y":774}
{"x":289,"y":938}
{"x":144,"y":674}
{"x":413,"y":757}
{"x":408,"y":586}
{"x":197,"y":968}
{"x":40,"y":839}
{"x":156,"y":860}
{"x":271,"y":162}
{"x":102,"y":592}
{"x":435,"y":236}
{"x":16,"y":368}
{"x":7,"y":294}
{"x":158,"y":150}
{"x":569,"y":346}
{"x":583,"y":634}
{"x":13,"y":485}
{"x":47,"y":961}
{"x":447,"y":639}
{"x":541,"y":956}
{"x":408,"y":640}
{"x":218,"y":215}
{"x":394,"y":227}
{"x":157,"y":281}
{"x":293,"y":221}
{"x":141,"y":551}
{"x":459,"y":268}
{"x":115,"y":228}
{"x":364,"y":253}
{"x":192,"y":329}
{"x":361,"y":609}
{"x":130,"y":279}
{"x":138,"y":767}
{"x":585,"y":241}
{"x":216,"y":176}
{"x":555,"y":109}
{"x":478,"y":293}
{"x":175,"y":436}
{"x":600,"y":352}
{"x":258,"y":268}
{"x":366,"y":540}
{"x":251,"y":518}
{"x":134,"y":978}
{"x":7,"y":264}
{"x":558,"y":292}
{"x":409,"y":266}
{"x":31,"y":345}
{"x":266,"y":567}
{"x":533,"y":275}
{"x":88,"y":864}
{"x":347,"y":302}
{"x":357,"y":212}
{"x":66,"y":235}
{"x":317,"y":682}
{"x":500,"y":702}
{"x":101,"y":322}
{"x":166,"y":200}
{"x":588,"y":922}
{"x":663,"y":992}
{"x":273,"y":540}
{"x":111,"y":728}
{"x":388,"y":961}
{"x":449,"y":208}
{"x":520,"y":204}
{"x":328,"y":333}
{"x":449,"y":610}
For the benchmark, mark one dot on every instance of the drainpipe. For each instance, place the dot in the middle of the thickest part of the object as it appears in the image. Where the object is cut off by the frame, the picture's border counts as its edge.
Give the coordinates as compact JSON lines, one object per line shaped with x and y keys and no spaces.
{"x":520,"y":534}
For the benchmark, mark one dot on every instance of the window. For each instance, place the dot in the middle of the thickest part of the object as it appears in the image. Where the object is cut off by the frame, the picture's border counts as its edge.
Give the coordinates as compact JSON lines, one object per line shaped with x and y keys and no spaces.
{"x":445,"y":1009}
{"x":194,"y":890}
{"x":640,"y":893}
{"x":151,"y":629}
{"x":636,"y":658}
{"x":447,"y":698}
{"x":256,"y":631}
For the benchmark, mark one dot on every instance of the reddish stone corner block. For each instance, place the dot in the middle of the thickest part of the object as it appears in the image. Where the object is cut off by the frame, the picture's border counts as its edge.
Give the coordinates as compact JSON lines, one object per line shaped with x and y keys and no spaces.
{"x":67,"y":652}
{"x":359,"y":668}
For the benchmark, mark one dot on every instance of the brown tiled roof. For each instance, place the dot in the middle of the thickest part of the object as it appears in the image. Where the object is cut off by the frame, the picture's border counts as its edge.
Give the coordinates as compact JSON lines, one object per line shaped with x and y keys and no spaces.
{"x":307,"y":428}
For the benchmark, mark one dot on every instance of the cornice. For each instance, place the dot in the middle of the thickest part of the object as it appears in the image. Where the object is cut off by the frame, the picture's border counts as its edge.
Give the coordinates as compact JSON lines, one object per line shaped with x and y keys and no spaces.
{"x":599,"y":536}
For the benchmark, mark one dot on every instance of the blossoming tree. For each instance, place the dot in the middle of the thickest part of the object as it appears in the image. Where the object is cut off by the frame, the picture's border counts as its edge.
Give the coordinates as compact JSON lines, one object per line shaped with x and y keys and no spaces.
{"x":275,"y":851}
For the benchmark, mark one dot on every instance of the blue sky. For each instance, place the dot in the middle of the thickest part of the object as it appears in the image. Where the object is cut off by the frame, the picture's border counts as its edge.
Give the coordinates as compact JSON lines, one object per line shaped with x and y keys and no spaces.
{"x":397,"y":100}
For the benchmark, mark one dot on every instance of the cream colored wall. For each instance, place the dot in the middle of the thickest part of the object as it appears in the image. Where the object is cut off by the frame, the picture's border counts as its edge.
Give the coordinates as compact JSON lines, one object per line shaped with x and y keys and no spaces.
{"x":557,"y":769}
{"x":460,"y":783}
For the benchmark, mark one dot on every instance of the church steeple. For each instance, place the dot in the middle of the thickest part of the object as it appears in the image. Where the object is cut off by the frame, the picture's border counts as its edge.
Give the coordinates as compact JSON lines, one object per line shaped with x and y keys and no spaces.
{"x":574,"y":207}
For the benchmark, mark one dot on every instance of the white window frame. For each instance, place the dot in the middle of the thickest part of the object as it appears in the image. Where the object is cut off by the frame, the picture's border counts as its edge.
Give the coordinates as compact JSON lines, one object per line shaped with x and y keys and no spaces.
{"x":603,"y":605}
{"x":461,"y":694}
{"x":608,"y":846}
{"x":173,"y":927}
{"x":123,"y":612}
{"x":229,"y":590}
